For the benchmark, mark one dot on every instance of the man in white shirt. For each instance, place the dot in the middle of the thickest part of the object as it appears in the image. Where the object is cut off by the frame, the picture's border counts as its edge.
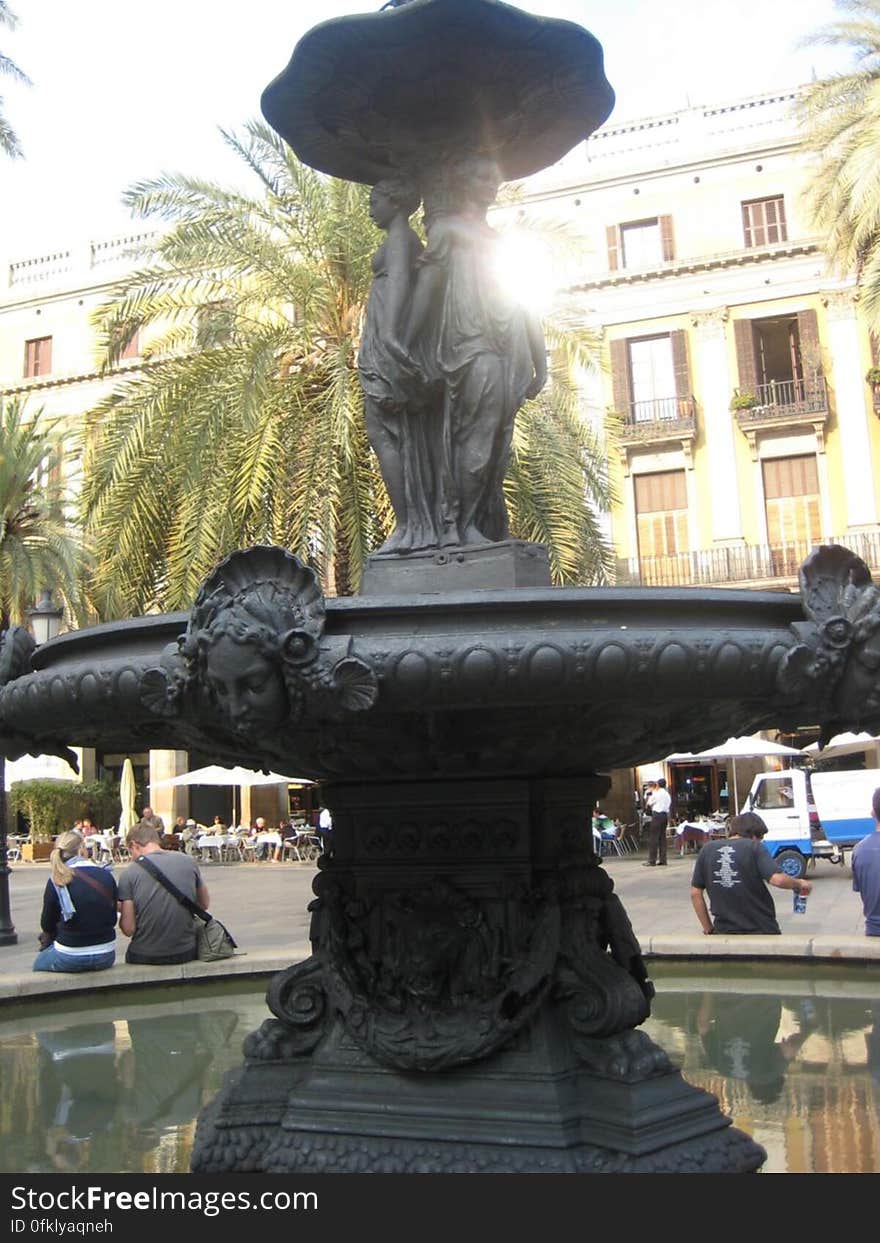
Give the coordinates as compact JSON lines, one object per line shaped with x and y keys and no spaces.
{"x":660,"y":805}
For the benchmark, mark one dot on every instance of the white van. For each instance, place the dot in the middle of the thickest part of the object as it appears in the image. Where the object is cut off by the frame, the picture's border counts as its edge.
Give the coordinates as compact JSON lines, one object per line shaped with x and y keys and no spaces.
{"x":818,"y":815}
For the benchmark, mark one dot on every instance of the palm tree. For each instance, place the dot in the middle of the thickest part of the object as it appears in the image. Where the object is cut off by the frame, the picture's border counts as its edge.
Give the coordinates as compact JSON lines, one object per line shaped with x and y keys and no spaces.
{"x":38,"y":547}
{"x":246,"y":421}
{"x":8,"y":139}
{"x":841,"y":120}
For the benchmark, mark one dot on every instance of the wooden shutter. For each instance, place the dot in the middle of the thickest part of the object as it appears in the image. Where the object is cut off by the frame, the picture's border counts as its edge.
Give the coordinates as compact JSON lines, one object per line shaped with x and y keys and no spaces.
{"x":746,"y":364}
{"x":678,"y":340}
{"x":661,"y":524}
{"x":37,"y":357}
{"x":790,"y":476}
{"x":620,"y":380}
{"x":667,"y":242}
{"x":808,"y":341}
{"x":132,"y":347}
{"x":791,"y":502}
{"x":660,"y":492}
{"x":612,"y":235}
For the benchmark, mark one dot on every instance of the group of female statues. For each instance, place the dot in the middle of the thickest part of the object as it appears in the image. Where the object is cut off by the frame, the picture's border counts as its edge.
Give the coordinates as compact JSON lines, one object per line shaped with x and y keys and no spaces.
{"x":446,"y":360}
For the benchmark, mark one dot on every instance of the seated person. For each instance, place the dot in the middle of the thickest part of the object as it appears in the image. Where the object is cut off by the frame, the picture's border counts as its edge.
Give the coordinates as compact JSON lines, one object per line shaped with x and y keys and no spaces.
{"x":261,"y":849}
{"x":188,"y":835}
{"x":161,"y":928}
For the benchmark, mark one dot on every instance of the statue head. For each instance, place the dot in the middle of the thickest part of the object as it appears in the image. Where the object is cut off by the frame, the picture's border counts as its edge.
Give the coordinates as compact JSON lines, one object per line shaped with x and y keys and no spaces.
{"x":477,"y":178}
{"x":393,"y":196}
{"x":255,"y":623}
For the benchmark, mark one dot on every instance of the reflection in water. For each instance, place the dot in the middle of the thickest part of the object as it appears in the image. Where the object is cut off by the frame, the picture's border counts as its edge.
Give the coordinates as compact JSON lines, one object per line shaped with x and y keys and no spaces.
{"x":793,"y":1057}
{"x":794,"y":1060}
{"x":121,"y":1091}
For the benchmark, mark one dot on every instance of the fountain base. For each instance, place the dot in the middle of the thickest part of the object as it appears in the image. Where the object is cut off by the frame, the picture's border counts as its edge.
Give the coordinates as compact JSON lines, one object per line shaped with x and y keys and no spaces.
{"x":502,"y":566}
{"x":471,"y":1005}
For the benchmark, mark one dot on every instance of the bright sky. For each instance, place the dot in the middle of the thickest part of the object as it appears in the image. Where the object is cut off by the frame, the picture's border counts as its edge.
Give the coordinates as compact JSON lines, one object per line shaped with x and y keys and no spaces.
{"x":123,"y":90}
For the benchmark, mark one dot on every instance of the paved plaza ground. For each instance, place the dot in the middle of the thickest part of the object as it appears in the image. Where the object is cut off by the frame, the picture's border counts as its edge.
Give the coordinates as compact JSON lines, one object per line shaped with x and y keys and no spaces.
{"x":264,"y":906}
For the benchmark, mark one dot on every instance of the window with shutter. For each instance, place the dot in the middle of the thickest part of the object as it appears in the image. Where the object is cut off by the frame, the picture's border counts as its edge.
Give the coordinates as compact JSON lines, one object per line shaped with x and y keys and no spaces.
{"x":764,"y":221}
{"x":653,"y":378}
{"x":791,"y":501}
{"x":641,"y":244}
{"x":662,"y":526}
{"x":37,"y":357}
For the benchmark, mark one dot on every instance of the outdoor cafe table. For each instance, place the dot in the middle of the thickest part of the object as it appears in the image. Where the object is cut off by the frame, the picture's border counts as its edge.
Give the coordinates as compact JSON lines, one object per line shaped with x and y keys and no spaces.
{"x":99,"y":845}
{"x":215,"y":841}
{"x":697,"y":833}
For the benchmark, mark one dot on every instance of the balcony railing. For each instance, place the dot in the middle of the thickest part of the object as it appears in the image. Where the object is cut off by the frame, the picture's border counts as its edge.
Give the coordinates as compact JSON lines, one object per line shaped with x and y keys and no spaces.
{"x":755,"y":563}
{"x":659,"y":410}
{"x":660,"y":420}
{"x":783,"y":398}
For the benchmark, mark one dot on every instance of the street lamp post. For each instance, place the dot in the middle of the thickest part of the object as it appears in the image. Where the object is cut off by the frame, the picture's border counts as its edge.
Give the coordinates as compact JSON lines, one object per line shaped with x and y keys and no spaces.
{"x":45,"y":622}
{"x":45,"y":618}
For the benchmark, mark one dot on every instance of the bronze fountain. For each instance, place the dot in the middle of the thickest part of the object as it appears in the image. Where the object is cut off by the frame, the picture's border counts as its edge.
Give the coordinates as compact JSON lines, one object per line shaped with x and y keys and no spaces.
{"x":475,"y":990}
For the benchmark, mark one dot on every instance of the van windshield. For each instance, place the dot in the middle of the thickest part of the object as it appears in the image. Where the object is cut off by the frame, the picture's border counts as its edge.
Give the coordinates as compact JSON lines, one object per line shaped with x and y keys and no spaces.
{"x":772,"y":795}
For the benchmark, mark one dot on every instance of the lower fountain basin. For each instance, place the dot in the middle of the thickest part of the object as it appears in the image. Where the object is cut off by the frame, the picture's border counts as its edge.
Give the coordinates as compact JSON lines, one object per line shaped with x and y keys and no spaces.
{"x":116,"y":1088}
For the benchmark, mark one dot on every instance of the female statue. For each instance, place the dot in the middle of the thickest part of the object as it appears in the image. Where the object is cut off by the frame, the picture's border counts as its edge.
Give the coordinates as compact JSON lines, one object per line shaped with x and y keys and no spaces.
{"x":391,"y":388}
{"x":485,"y":351}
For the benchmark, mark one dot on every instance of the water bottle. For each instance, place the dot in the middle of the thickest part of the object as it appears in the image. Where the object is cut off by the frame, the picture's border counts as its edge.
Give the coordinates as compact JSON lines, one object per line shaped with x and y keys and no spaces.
{"x":799,"y":903}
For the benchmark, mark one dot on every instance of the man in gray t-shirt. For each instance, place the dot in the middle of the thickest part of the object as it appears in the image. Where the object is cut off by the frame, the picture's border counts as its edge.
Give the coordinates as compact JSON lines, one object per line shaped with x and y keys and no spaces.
{"x":161,"y":928}
{"x":733,"y":873}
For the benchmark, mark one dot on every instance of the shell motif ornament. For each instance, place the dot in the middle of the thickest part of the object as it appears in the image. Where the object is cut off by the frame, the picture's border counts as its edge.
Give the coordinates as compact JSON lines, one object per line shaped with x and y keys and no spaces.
{"x":835,"y":666}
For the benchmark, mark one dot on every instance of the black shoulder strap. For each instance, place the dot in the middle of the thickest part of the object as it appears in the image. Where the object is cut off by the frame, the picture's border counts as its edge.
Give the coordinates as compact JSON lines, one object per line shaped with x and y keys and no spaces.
{"x":159,"y":875}
{"x":80,"y":874}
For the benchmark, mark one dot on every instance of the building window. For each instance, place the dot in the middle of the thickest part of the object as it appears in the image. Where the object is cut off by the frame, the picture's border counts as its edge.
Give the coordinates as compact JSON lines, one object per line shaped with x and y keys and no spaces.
{"x":791,"y":501}
{"x":661,"y":522}
{"x":37,"y":357}
{"x":640,"y":243}
{"x":779,"y":360}
{"x":652,"y":379}
{"x":764,"y":221}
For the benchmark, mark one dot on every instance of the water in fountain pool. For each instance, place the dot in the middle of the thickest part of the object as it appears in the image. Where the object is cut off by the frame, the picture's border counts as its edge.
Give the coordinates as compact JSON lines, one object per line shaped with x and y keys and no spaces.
{"x":793,"y":1055}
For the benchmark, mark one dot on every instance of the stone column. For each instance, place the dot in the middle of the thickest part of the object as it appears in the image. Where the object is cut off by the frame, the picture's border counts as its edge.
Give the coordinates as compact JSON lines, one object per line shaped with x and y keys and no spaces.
{"x":847,"y":373}
{"x":716,"y":386}
{"x":169,"y":802}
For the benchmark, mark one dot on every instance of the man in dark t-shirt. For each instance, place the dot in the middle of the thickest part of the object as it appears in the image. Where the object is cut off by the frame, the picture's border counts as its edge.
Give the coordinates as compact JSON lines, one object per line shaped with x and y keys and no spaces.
{"x":733,"y":872}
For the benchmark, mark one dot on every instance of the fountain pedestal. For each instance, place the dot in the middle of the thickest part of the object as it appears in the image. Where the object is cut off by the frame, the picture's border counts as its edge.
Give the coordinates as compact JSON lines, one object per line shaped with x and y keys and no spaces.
{"x":469,"y":1005}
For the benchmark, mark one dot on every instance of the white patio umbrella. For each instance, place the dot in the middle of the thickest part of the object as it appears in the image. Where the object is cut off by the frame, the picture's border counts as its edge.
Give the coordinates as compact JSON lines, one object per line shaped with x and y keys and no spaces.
{"x":744,"y":748}
{"x":127,"y":795}
{"x":841,"y":744}
{"x":216,"y":775}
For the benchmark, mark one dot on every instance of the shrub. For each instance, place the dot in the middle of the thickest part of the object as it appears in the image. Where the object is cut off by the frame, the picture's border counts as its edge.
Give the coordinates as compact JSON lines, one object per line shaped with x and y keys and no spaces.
{"x":51,"y":806}
{"x":873,"y":376}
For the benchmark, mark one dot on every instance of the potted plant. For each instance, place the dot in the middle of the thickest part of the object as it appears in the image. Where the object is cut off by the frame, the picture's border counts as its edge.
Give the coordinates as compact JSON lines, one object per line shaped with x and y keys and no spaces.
{"x":743,"y":401}
{"x":873,"y":378}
